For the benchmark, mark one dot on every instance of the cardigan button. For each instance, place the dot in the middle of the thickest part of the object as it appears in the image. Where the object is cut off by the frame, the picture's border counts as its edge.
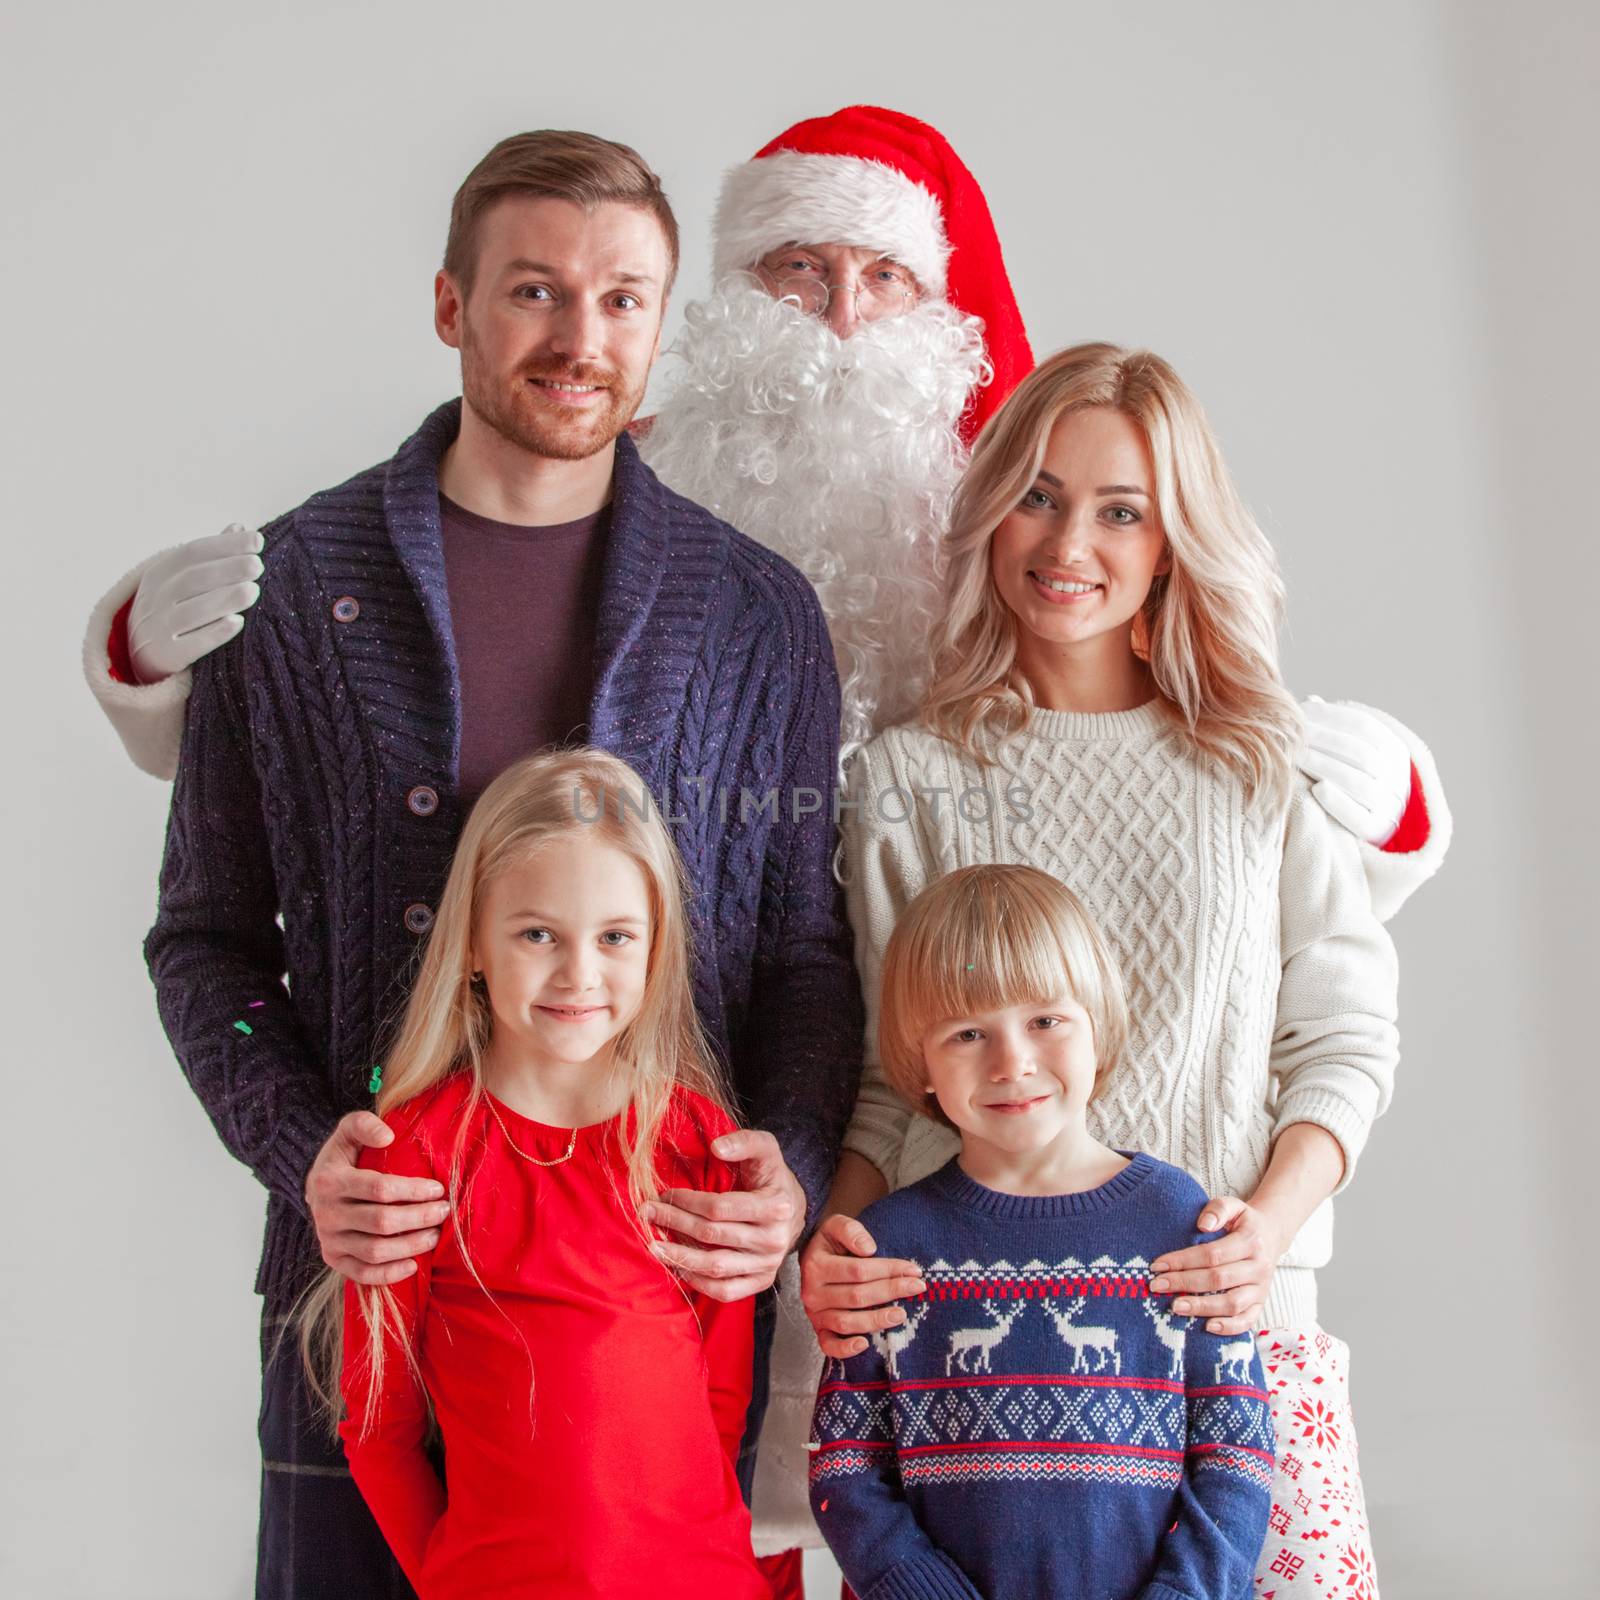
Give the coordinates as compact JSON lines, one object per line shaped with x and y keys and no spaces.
{"x":346,"y":608}
{"x":423,"y":801}
{"x":419,"y":918}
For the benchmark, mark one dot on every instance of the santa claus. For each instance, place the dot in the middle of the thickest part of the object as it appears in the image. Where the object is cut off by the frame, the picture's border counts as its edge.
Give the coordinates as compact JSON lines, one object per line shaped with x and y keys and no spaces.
{"x":859,"y":330}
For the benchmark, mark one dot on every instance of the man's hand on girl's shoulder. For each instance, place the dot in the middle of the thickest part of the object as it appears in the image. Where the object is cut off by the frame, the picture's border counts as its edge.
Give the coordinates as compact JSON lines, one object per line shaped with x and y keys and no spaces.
{"x":370,"y":1224}
{"x":746,"y":1231}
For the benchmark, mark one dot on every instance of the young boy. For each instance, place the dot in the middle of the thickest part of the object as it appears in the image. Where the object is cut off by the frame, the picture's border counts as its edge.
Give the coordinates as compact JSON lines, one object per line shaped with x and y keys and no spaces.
{"x":1040,"y":1424}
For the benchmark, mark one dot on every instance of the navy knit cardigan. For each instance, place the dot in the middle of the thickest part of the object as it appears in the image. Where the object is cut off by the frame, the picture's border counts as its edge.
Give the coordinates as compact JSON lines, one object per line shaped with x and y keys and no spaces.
{"x":316,"y":809}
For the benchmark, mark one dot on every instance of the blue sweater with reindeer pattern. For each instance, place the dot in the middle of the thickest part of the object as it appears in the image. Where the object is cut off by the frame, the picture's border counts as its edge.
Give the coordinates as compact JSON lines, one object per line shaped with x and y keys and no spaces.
{"x":1041,"y":1424}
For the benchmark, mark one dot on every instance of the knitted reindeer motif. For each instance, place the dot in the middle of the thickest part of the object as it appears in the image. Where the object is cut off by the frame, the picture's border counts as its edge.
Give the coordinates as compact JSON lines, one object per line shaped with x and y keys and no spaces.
{"x":1173,"y":1338}
{"x":892,"y":1341}
{"x":965,"y":1340}
{"x":1103,"y":1341}
{"x":1234,"y":1359}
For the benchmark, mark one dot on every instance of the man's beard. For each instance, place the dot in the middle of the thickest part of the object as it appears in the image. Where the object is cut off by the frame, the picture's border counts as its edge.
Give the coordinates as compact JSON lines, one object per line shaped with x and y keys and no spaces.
{"x":509,"y":404}
{"x":839,"y":454}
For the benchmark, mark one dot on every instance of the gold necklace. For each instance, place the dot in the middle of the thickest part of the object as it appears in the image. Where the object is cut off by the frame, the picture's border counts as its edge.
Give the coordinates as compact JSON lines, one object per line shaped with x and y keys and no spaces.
{"x":566,"y":1155}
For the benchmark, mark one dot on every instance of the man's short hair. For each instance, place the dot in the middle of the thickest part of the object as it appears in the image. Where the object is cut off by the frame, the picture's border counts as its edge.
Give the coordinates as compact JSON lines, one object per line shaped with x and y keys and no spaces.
{"x":554,"y":164}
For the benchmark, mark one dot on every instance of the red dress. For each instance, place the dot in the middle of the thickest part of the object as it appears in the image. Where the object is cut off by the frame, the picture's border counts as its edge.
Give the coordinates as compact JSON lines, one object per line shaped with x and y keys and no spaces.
{"x":591,"y":1408}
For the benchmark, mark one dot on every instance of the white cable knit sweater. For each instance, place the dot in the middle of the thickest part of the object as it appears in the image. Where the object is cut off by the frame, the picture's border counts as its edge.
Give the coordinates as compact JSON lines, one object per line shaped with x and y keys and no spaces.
{"x":1261,"y":984}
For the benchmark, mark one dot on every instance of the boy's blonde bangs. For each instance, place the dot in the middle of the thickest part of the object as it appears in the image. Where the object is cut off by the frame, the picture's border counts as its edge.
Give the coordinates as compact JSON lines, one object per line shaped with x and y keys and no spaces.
{"x":983,"y":939}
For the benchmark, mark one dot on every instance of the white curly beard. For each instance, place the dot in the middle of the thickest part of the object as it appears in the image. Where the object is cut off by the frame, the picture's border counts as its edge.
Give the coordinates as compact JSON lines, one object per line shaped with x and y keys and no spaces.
{"x":839,"y":454}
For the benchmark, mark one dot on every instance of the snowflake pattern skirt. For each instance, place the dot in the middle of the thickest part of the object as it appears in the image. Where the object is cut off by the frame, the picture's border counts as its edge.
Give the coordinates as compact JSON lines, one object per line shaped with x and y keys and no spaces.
{"x":1318,"y":1543}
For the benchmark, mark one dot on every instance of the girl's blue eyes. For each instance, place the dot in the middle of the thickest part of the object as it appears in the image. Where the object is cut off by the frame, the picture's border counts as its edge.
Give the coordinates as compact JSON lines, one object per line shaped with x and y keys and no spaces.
{"x":612,"y":938}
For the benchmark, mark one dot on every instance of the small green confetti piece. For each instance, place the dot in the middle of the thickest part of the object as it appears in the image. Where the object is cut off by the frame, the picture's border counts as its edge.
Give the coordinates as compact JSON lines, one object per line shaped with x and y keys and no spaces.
{"x":244,"y":1027}
{"x":375,"y":1082}
{"x":969,"y":966}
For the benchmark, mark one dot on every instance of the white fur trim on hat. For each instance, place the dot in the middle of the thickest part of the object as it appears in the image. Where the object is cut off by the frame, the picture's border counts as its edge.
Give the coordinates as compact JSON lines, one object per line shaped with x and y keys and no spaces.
{"x":789,"y":198}
{"x":148,"y":717}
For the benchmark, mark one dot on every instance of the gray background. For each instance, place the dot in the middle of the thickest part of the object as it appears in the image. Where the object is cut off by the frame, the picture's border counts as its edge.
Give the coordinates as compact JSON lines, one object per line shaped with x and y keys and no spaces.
{"x":1365,"y":234}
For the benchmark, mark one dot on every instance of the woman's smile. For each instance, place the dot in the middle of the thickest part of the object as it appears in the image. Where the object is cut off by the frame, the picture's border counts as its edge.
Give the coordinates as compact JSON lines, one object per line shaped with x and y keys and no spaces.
{"x":1062,"y":589}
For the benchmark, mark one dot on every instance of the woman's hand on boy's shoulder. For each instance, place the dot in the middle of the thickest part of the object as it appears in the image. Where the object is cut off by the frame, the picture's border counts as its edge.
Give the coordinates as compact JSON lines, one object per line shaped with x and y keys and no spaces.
{"x":1225,"y":1280}
{"x":848,"y":1289}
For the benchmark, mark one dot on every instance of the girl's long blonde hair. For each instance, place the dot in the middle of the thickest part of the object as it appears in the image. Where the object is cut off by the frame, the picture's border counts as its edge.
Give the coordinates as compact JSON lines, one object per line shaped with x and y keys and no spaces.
{"x":1208,"y":627}
{"x":447,"y":1022}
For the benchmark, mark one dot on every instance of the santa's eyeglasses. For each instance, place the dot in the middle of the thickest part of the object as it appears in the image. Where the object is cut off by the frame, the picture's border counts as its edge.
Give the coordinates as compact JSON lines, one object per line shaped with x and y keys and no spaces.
{"x":885,"y":292}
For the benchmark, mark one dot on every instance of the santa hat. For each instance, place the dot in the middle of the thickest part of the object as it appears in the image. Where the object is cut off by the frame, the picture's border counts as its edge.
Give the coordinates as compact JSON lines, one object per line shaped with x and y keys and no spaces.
{"x":867,"y":176}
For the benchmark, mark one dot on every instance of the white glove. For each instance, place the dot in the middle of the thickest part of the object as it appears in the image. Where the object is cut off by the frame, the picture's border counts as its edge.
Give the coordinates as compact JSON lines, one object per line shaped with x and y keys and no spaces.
{"x":191,"y":600}
{"x":1360,"y":771}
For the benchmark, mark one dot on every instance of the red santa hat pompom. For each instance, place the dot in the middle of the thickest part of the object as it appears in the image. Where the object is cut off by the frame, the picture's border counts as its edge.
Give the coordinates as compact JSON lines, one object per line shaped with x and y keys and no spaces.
{"x":867,"y":176}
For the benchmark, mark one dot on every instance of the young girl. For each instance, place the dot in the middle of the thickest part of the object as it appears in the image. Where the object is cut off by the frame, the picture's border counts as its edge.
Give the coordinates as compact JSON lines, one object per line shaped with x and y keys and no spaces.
{"x":550,"y":1072}
{"x":1039,"y":1424}
{"x":1107,"y":706}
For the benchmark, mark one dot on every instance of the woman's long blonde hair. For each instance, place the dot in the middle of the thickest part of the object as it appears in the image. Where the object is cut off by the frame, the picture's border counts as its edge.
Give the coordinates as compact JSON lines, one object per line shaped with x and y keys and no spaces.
{"x":446,"y":1024}
{"x":1209,"y":627}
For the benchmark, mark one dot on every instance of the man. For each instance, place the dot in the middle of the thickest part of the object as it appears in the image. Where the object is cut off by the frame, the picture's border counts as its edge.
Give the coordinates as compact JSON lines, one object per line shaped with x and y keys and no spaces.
{"x":513,"y":576}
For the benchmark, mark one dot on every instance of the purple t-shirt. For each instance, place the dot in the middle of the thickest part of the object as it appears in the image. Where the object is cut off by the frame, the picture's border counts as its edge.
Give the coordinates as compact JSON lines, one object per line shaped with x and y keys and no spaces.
{"x":524,"y":604}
